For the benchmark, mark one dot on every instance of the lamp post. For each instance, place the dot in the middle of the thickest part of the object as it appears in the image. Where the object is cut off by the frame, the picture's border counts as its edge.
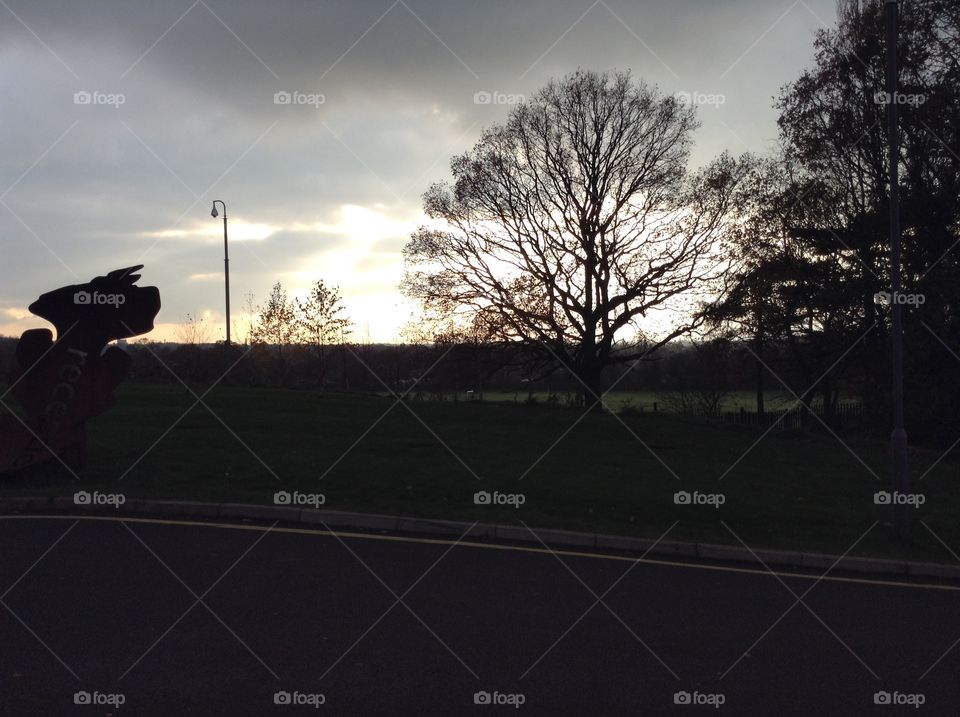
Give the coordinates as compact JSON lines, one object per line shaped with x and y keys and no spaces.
{"x":226,"y":262}
{"x":898,"y":438}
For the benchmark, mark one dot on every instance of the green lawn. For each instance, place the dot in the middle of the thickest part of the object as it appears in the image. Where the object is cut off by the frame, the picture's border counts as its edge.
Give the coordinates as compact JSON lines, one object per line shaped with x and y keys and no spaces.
{"x":646,"y":401}
{"x":791,"y":490}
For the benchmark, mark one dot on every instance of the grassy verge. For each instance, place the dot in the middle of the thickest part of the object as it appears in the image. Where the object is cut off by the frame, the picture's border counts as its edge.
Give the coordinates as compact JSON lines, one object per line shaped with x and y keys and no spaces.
{"x":647,"y":401}
{"x":595,"y":473}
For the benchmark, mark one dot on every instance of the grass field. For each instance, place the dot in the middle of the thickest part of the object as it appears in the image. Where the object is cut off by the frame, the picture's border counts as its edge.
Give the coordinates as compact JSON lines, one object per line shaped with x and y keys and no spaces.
{"x":645,"y":401}
{"x":788,"y":490}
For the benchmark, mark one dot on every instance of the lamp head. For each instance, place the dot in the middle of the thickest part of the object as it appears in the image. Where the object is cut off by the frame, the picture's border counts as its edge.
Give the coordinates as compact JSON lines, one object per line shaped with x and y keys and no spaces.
{"x":214,"y":213}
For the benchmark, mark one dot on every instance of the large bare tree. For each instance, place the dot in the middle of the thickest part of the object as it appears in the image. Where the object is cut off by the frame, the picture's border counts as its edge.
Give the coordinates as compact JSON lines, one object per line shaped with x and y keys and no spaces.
{"x":575,"y":219}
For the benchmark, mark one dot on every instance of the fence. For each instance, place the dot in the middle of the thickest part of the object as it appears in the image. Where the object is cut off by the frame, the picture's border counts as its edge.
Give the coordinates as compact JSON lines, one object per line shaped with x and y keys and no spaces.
{"x":848,"y":413}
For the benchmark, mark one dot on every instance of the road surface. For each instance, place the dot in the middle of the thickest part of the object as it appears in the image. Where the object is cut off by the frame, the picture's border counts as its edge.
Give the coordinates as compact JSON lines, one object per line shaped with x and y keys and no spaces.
{"x":145,"y":617}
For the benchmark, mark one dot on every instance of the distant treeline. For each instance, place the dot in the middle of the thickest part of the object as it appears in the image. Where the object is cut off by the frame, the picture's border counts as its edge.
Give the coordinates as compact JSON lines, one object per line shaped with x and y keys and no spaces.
{"x":692,"y":378}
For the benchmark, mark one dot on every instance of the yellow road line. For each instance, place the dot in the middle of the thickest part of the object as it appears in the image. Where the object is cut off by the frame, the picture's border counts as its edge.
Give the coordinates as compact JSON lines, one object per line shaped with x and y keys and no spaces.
{"x":488,"y":546}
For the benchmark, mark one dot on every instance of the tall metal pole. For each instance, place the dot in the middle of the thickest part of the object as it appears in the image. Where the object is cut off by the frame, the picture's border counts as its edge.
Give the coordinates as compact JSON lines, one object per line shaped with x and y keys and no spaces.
{"x":226,"y":262}
{"x":898,"y":439}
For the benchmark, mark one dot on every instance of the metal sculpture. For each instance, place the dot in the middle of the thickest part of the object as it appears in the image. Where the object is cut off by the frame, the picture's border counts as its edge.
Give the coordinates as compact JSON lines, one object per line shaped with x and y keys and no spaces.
{"x":61,"y":383}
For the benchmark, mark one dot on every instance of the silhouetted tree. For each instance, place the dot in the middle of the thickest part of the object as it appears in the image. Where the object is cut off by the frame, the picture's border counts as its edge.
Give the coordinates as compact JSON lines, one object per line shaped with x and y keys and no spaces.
{"x":750,"y":305}
{"x":572,"y":221}
{"x":276,"y":327}
{"x":321,"y":322}
{"x":816,"y":249}
{"x":194,"y":330}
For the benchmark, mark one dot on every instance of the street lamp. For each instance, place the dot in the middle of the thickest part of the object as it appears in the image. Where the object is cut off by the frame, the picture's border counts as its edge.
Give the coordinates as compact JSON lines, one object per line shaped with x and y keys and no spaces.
{"x":226,"y":261}
{"x":898,"y":438}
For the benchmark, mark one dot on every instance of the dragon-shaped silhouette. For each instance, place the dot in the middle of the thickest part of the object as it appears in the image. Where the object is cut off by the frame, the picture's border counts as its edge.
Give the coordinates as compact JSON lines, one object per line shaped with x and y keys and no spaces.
{"x":61,"y":383}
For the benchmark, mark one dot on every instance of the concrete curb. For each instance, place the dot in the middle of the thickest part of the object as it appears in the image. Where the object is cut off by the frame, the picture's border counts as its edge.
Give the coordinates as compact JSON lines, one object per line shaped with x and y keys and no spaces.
{"x":512,"y":533}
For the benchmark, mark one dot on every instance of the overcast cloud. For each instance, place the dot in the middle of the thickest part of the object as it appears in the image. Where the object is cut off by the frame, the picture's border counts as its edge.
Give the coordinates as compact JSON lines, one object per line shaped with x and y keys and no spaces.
{"x":327,"y":190}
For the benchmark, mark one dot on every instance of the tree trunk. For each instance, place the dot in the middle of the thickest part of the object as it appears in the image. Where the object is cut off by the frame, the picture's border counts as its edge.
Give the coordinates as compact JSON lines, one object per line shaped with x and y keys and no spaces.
{"x":589,"y":373}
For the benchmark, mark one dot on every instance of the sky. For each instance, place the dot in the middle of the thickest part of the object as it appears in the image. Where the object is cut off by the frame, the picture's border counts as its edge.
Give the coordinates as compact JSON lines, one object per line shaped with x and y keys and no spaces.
{"x":320,"y":124}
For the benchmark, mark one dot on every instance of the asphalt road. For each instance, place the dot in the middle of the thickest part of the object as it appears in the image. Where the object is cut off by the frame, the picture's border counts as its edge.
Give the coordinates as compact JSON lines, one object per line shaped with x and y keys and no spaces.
{"x":108,"y":611}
